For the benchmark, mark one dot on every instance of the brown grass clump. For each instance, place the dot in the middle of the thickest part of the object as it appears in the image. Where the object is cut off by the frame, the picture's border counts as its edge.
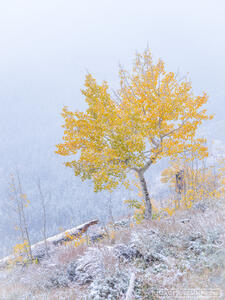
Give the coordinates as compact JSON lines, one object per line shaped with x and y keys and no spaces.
{"x":69,"y":252}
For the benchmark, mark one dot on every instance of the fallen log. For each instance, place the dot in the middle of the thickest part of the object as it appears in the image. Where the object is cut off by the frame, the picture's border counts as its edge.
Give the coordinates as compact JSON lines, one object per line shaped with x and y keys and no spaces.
{"x":129,"y":294}
{"x":74,"y":232}
{"x":38,"y":249}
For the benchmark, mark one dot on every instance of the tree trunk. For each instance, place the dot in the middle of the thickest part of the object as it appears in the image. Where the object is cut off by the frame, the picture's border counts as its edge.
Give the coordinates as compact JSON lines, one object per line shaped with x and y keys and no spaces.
{"x":148,"y":205}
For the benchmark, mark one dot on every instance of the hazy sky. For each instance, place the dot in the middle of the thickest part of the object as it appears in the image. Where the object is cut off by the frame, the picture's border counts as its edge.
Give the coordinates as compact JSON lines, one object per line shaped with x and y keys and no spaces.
{"x":47,"y":46}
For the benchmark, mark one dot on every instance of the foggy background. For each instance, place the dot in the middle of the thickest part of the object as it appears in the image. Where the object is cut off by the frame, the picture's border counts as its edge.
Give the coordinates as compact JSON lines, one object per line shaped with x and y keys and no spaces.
{"x":47,"y":47}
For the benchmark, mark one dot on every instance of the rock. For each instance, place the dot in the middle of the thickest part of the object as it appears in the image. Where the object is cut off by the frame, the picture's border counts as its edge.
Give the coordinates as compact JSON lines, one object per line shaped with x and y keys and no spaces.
{"x":195,"y":236}
{"x":112,"y":287}
{"x":184,"y":221}
{"x":153,"y":258}
{"x":96,"y":237}
{"x":59,"y":280}
{"x":127,"y":252}
{"x":122,"y":223}
{"x":71,"y":271}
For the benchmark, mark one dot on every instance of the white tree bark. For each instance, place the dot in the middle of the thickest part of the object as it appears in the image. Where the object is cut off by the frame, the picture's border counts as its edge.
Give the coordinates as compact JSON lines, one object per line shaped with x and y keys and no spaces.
{"x":148,"y":205}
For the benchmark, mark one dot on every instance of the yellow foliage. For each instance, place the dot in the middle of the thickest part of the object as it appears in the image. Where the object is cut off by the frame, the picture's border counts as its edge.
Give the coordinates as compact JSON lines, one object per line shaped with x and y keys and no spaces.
{"x":21,"y":253}
{"x":157,"y":116}
{"x":169,"y":211}
{"x":77,"y":239}
{"x":112,"y":234}
{"x":201,"y":181}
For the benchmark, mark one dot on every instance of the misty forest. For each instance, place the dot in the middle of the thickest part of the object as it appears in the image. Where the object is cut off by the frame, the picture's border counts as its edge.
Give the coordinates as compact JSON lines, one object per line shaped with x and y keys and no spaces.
{"x":112,"y":158}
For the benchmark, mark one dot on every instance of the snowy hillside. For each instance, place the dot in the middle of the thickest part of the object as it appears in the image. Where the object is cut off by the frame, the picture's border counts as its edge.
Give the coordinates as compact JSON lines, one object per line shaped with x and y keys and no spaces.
{"x":176,"y":255}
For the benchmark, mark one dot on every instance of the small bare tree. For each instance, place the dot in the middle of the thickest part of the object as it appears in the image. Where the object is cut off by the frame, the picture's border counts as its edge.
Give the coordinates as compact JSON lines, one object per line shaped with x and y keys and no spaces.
{"x":20,"y":202}
{"x":44,"y":215}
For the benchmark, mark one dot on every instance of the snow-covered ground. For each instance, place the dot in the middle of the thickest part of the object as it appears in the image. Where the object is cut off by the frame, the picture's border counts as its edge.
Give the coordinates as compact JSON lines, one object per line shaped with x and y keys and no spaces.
{"x":184,"y":252}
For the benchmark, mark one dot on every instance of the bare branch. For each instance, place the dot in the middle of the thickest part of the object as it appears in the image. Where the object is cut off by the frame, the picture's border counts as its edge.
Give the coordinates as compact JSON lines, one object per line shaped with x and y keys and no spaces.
{"x":44,"y":215}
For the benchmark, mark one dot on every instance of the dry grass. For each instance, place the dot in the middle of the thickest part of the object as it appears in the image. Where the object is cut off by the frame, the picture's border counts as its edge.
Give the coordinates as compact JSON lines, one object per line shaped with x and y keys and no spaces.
{"x":109,"y":260}
{"x":202,"y":283}
{"x":20,"y":292}
{"x":182,"y":224}
{"x":116,"y":236}
{"x":69,"y":252}
{"x":11,"y":291}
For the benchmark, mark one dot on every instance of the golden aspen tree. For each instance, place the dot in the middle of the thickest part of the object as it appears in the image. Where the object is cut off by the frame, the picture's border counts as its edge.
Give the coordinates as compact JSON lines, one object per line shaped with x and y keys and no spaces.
{"x":201,"y":180}
{"x":155,"y":115}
